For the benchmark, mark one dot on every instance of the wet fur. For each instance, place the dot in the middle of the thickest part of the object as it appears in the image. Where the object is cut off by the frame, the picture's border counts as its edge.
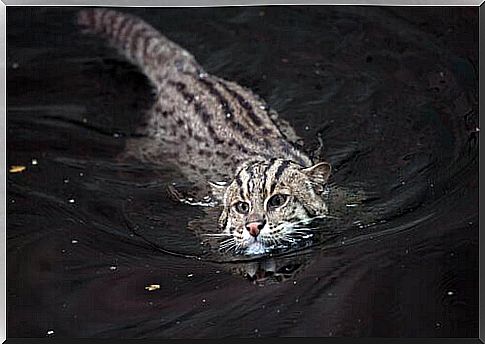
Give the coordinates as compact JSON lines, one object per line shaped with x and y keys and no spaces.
{"x":215,"y":130}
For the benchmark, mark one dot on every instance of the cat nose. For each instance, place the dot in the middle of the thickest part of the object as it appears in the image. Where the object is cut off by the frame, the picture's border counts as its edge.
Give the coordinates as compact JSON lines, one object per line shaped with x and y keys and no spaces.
{"x":255,"y":227}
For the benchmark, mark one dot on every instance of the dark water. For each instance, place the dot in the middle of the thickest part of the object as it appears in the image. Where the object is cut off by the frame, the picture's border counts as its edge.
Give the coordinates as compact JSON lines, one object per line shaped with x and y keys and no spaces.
{"x":391,"y":91}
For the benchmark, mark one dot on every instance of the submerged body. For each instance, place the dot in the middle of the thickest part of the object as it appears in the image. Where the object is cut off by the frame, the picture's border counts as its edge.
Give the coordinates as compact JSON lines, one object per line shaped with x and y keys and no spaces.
{"x":220,"y":133}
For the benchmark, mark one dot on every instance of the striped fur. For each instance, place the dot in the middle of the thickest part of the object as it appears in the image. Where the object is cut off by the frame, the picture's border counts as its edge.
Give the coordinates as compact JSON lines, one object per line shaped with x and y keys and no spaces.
{"x":211,"y":128}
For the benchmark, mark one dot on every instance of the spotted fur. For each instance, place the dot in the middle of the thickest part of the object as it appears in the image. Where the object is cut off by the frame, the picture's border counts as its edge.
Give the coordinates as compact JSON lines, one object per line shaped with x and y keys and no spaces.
{"x":215,"y":130}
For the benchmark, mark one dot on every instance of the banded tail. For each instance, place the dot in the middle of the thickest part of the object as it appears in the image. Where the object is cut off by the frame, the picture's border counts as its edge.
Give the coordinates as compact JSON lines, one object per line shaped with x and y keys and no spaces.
{"x":139,"y":42}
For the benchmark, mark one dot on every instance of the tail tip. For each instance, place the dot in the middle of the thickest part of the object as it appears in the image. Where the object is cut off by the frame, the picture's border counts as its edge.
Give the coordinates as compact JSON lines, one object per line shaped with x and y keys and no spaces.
{"x":85,"y":18}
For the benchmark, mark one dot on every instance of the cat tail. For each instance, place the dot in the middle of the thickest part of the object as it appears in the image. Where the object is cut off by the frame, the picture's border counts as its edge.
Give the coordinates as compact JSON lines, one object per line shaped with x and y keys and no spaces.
{"x":139,"y":42}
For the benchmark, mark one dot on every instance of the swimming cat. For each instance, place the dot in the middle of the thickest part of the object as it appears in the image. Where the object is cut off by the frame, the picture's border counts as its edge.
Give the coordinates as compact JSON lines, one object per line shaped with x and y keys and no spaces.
{"x":221,"y":133}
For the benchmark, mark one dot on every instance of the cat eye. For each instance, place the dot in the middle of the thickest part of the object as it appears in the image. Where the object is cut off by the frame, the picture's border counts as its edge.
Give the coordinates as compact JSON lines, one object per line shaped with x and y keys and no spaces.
{"x":242,"y":207}
{"x":277,"y":200}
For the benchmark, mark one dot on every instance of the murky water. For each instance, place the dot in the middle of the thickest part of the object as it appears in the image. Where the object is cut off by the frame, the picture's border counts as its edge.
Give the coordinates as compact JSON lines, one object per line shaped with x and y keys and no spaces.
{"x":97,"y":248}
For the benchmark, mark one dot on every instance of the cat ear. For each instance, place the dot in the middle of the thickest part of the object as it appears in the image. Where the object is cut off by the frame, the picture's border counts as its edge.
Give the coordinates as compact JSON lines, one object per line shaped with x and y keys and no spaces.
{"x":318,"y":173}
{"x":218,"y":189}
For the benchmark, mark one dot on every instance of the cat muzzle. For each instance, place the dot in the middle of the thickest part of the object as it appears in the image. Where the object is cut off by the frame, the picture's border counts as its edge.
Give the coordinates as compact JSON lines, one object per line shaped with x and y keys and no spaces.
{"x":255,"y":227}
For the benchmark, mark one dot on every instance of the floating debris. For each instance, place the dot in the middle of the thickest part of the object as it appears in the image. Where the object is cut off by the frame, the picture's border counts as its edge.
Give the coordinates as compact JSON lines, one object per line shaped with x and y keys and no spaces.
{"x":72,"y":200}
{"x":190,"y":275}
{"x":50,"y":332}
{"x":15,"y":65}
{"x":17,"y":168}
{"x":34,"y":162}
{"x":113,"y":268}
{"x":152,"y":287}
{"x":450,"y":293}
{"x":74,"y":241}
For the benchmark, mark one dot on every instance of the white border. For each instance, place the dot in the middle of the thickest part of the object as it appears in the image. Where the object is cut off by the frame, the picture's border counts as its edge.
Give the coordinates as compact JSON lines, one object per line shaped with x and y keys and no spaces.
{"x":3,"y":174}
{"x":214,"y":3}
{"x":141,"y":3}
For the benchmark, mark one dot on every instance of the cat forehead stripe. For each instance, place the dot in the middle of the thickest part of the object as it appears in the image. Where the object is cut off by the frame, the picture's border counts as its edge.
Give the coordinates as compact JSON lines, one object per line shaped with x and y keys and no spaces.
{"x":279,"y":172}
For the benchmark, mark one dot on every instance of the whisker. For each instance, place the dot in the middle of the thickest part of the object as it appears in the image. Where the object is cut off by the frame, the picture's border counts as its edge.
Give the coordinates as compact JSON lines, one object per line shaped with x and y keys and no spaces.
{"x":216,"y":234}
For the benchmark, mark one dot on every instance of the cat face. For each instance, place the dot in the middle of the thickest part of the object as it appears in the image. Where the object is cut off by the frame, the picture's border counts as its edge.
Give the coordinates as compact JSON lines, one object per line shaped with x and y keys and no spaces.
{"x":268,"y":203}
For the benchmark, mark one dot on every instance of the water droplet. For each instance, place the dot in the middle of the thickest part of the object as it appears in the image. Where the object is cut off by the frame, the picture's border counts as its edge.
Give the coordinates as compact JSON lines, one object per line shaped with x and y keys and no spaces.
{"x":228,"y":115}
{"x":450,"y":293}
{"x":190,"y":275}
{"x":66,"y":181}
{"x":307,"y":127}
{"x":34,"y":162}
{"x":113,"y":268}
{"x":72,"y":200}
{"x":50,"y":332}
{"x":81,"y":174}
{"x":152,"y":287}
{"x":74,"y":241}
{"x":203,"y":300}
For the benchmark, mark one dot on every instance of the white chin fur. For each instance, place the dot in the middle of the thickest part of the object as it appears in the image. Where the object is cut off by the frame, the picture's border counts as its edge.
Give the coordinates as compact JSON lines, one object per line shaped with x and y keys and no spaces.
{"x":255,"y":247}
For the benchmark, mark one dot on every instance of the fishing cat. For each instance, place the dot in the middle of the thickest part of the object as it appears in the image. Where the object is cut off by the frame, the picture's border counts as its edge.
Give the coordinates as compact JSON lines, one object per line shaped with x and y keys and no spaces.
{"x":216,"y":131}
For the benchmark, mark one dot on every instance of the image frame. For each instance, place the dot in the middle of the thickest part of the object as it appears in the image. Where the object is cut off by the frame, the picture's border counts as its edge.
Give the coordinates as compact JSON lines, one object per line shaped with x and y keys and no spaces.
{"x":194,"y":3}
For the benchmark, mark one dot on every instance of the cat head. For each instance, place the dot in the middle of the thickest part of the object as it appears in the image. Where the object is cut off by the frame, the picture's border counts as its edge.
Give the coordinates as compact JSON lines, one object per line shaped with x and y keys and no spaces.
{"x":269,"y":202}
